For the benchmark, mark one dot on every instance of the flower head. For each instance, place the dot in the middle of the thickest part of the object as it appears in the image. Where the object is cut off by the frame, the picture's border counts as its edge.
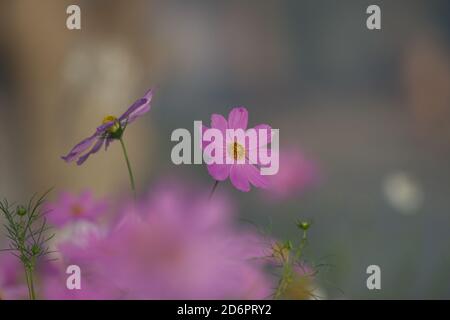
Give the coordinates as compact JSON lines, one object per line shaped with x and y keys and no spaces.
{"x":236,"y":152}
{"x":71,"y":208}
{"x":112,"y":128}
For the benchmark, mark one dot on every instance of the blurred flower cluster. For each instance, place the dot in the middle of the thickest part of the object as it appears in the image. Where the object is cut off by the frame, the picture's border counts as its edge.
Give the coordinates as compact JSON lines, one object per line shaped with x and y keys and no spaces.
{"x":171,"y":244}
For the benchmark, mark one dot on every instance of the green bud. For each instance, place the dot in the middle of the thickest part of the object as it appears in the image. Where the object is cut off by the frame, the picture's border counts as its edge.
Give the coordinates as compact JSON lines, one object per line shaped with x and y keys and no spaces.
{"x":35,"y":249}
{"x":21,"y":211}
{"x":303,"y":225}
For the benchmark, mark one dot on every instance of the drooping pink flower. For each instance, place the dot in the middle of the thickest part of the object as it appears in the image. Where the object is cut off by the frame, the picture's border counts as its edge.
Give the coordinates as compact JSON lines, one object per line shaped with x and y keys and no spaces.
{"x":296,"y":173}
{"x":240,"y":174}
{"x":163,"y":249}
{"x":112,"y":128}
{"x":70,"y":207}
{"x":11,"y":286}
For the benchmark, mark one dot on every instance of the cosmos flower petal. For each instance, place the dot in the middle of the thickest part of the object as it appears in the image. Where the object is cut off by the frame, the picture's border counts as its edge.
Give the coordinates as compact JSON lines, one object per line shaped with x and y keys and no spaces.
{"x":79,"y":148}
{"x":255,"y":177}
{"x":94,"y":149}
{"x":238,"y":118}
{"x":219,"y":172}
{"x":219,"y":122}
{"x":204,"y":143}
{"x":138,"y":108}
{"x":70,"y":207}
{"x":105,"y":126}
{"x":238,"y":177}
{"x":107,"y":143}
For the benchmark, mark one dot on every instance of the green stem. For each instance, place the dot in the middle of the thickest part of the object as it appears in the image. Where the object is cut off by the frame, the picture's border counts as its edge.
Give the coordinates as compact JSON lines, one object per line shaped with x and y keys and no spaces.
{"x":302,"y":245}
{"x":28,"y":283}
{"x":32,"y":292}
{"x":130,"y":171}
{"x":216,"y":183}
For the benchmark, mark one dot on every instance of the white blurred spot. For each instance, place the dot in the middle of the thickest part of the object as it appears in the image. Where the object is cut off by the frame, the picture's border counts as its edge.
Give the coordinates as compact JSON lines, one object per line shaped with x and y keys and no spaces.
{"x":78,"y":233}
{"x":403,"y":192}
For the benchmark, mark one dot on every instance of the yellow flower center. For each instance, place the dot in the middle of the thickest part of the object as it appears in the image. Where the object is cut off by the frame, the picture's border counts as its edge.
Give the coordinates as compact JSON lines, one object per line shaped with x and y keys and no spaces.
{"x":236,"y":151}
{"x":77,"y":210}
{"x":115,"y":126}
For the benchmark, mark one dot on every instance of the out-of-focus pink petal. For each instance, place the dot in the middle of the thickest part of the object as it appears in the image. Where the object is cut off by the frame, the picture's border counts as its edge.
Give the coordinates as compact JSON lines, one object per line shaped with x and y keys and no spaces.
{"x":70,"y":207}
{"x":219,"y":172}
{"x":296,"y":174}
{"x":238,"y":177}
{"x":255,"y":177}
{"x":238,"y":118}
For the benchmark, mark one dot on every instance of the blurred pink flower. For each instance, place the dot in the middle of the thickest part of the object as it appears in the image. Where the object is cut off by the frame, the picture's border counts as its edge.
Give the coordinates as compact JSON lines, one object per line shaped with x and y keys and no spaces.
{"x":241,"y":174}
{"x":11,"y":288}
{"x":296,"y":173}
{"x":71,"y":208}
{"x":172,"y":245}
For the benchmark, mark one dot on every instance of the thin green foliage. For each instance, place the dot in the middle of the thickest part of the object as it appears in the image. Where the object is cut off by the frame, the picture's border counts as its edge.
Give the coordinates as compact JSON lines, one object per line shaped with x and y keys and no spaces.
{"x":28,"y":234}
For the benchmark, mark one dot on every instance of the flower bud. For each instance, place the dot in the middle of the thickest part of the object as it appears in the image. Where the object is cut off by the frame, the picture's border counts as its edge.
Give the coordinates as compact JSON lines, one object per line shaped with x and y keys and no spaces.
{"x":21,"y":211}
{"x":303,"y":225}
{"x":35,"y":249}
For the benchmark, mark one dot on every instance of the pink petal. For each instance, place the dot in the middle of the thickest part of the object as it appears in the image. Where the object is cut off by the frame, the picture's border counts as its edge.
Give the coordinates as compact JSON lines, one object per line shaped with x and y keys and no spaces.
{"x":79,"y":148}
{"x":204,"y":143}
{"x":219,"y":172}
{"x":107,"y":143}
{"x":219,"y":122}
{"x":238,"y":177}
{"x":238,"y":118}
{"x":255,"y":177}
{"x":94,"y":149}
{"x":138,"y":108}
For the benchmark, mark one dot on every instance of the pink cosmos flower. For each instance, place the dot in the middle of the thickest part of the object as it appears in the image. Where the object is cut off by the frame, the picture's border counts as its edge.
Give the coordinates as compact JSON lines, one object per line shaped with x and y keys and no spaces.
{"x":163,"y":249}
{"x":11,"y":288}
{"x":71,"y":208}
{"x":240,"y":174}
{"x":296,"y":173}
{"x":111,"y":129}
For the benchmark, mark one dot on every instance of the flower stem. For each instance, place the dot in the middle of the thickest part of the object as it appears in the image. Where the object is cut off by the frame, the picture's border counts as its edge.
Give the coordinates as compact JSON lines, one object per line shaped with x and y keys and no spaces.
{"x":130,"y":171}
{"x":31,"y":284}
{"x":28,"y":283}
{"x":216,"y":183}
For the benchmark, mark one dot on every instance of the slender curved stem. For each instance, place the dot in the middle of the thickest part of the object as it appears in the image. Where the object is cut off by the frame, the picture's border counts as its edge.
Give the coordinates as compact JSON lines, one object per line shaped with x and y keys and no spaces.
{"x":216,"y":183}
{"x":130,"y":171}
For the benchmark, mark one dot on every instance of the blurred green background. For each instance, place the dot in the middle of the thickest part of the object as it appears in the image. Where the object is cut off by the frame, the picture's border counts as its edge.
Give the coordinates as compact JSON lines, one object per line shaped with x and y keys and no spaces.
{"x":372,"y":108}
